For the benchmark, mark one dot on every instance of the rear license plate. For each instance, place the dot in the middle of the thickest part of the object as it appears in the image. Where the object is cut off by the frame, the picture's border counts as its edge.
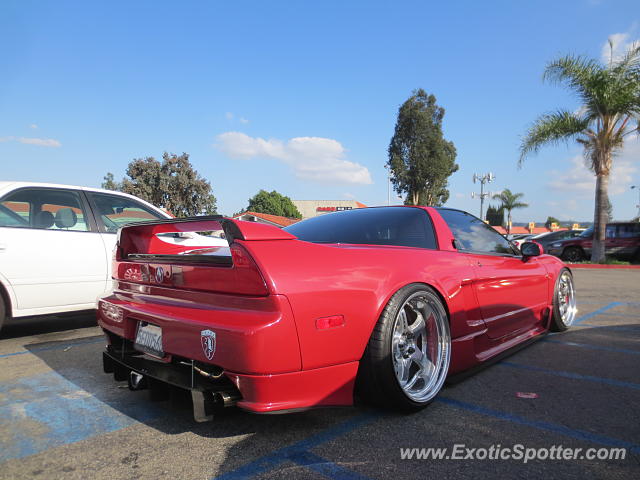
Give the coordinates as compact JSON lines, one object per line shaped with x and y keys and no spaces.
{"x":149,"y":339}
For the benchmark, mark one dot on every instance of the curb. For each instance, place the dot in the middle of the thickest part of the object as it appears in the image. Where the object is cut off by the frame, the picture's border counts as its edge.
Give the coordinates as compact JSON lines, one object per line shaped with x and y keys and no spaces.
{"x":598,"y":266}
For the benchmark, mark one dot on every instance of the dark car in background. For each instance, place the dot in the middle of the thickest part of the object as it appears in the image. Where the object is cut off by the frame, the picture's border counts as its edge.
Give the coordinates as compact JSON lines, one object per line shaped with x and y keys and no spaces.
{"x":622,"y":242}
{"x":547,"y":238}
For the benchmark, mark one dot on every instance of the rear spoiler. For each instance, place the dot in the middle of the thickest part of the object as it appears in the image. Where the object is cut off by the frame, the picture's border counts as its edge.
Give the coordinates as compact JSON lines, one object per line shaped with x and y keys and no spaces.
{"x":137,"y":238}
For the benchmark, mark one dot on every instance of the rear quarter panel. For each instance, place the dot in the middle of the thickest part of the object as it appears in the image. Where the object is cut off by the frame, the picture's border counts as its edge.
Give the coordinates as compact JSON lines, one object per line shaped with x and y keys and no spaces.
{"x":357,"y":282}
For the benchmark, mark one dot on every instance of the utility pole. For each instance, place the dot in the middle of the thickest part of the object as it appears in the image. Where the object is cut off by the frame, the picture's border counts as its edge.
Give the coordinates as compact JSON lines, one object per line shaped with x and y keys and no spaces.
{"x":638,"y":205}
{"x":388,"y":184}
{"x":486,"y":178}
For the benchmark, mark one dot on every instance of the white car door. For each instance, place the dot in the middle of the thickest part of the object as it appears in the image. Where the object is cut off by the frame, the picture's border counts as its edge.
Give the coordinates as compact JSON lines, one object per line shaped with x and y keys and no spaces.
{"x":113,"y":211}
{"x":53,"y":257}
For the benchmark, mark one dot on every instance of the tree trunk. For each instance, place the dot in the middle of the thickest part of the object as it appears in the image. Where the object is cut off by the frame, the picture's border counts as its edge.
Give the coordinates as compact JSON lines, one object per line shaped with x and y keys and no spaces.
{"x":600,"y":218}
{"x":508,"y":222}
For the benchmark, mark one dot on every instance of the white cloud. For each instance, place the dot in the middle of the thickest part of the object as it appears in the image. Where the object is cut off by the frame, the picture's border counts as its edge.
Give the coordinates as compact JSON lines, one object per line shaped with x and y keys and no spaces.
{"x":229,"y":116}
{"x":34,"y":126}
{"x":244,"y":120}
{"x":42,"y":142}
{"x":460,"y":195}
{"x":578,"y":178}
{"x":312,"y":158}
{"x":621,"y":43}
{"x":349,"y":196}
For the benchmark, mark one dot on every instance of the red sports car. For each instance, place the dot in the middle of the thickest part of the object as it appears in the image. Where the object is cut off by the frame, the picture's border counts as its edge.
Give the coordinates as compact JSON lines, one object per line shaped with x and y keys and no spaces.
{"x":383,"y":303}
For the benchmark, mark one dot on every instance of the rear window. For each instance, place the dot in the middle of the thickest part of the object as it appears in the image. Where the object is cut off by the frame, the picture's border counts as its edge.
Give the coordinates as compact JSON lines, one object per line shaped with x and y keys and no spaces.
{"x":397,"y":226}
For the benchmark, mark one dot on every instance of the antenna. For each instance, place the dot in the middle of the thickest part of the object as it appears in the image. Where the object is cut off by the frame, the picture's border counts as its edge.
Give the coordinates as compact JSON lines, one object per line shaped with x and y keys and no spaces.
{"x":482,"y":179}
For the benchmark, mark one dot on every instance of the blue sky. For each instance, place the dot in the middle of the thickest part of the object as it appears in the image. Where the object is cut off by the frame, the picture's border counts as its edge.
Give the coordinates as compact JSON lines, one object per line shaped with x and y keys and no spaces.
{"x":300,"y":97}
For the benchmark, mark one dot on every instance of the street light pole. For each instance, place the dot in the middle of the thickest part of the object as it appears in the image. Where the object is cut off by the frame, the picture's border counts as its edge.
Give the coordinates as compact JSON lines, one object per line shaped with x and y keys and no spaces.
{"x":638,"y":187}
{"x":486,"y":178}
{"x":388,"y":168}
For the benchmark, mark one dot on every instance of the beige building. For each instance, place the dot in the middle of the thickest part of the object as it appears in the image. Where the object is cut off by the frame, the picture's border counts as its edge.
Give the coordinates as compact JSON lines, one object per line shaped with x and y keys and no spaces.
{"x":313,"y":208}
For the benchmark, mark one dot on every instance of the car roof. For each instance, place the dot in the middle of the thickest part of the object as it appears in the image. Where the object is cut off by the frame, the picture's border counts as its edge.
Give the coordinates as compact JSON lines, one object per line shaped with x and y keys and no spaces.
{"x":19,"y":184}
{"x":6,"y":186}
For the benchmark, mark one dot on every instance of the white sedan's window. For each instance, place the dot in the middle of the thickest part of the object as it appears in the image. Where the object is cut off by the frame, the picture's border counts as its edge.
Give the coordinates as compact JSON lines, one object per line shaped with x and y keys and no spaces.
{"x":43,"y":209}
{"x":116,"y":211}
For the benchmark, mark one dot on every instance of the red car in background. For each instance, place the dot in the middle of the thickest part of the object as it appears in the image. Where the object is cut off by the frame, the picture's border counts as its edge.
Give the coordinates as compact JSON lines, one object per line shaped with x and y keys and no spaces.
{"x":383,"y":303}
{"x":622,"y":240}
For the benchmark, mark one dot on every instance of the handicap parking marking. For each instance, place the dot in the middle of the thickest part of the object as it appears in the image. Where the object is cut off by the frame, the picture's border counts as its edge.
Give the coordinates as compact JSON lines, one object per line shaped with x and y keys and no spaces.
{"x":297,"y":451}
{"x":592,"y":347}
{"x":542,"y":425}
{"x":46,"y":410}
{"x":325,"y":467}
{"x":597,"y":312}
{"x":614,"y":327}
{"x":59,"y":345}
{"x":571,"y":375}
{"x":300,"y":453}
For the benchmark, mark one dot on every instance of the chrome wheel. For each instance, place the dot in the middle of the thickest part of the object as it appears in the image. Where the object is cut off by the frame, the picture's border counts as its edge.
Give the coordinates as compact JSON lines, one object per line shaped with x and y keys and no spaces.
{"x":566,"y":299}
{"x":421,"y":346}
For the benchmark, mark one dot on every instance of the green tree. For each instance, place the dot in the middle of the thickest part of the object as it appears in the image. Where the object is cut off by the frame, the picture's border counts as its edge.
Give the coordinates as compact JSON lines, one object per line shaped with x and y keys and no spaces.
{"x":551,"y":220}
{"x":495,"y":216}
{"x":610,"y":111}
{"x":510,"y":201}
{"x":420,"y":159}
{"x":273,"y":203}
{"x":172,"y":184}
{"x":109,"y":183}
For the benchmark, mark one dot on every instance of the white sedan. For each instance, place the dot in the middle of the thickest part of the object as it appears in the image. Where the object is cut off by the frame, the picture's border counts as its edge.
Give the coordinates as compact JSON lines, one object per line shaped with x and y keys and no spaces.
{"x":56,"y":244}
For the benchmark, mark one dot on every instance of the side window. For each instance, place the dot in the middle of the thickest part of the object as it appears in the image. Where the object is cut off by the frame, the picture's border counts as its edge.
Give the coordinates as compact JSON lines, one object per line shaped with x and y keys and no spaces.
{"x":116,"y":211}
{"x":629,"y":230}
{"x":14,"y":214}
{"x":43,"y":209}
{"x":611,"y":231}
{"x":473,"y":235}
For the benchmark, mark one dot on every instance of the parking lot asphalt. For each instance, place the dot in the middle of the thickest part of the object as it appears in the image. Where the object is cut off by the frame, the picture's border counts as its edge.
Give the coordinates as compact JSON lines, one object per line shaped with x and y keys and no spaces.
{"x":62,"y":417}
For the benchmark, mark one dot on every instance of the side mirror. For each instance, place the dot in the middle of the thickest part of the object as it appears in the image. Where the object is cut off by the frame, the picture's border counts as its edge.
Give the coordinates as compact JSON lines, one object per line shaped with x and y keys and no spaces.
{"x":531,"y":249}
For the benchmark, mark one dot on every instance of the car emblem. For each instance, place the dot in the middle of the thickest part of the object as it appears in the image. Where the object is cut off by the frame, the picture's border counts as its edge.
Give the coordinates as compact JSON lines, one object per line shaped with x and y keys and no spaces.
{"x":208,"y":340}
{"x":159,"y":274}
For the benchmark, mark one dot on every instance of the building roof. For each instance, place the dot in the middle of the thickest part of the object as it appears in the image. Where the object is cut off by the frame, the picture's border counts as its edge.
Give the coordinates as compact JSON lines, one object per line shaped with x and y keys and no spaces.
{"x":525,"y":230}
{"x":275,"y":219}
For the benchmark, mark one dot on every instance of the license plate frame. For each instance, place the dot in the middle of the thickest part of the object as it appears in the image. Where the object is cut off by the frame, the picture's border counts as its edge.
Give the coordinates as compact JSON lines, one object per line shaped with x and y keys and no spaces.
{"x":149,"y":339}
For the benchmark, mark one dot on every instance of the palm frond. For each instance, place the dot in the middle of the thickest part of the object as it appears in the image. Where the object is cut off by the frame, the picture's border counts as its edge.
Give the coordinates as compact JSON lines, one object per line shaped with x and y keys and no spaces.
{"x":630,"y":61}
{"x":551,"y":129}
{"x":576,"y":72}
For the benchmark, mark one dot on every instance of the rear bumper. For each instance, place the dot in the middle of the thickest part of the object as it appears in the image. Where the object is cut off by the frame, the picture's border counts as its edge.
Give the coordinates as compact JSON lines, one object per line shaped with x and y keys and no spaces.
{"x":322,"y":387}
{"x":253,"y":335}
{"x":256,"y":347}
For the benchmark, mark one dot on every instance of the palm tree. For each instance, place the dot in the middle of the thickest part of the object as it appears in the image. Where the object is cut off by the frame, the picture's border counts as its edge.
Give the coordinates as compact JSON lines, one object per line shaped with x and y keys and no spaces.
{"x":610,"y":97}
{"x":510,"y":202}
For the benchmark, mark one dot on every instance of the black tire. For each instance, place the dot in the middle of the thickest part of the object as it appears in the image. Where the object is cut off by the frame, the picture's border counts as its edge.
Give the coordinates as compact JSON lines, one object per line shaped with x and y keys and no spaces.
{"x":377,"y":380}
{"x":562,"y":321}
{"x":573,"y":254}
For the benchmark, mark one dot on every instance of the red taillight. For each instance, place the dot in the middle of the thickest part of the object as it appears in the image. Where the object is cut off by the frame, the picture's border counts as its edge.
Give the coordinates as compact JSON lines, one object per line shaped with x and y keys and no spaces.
{"x":247,"y":277}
